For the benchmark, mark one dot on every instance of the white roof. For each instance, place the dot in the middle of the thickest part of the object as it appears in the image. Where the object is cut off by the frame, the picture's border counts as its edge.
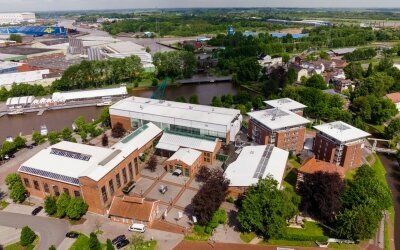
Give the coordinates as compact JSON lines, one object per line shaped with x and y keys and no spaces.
{"x":73,"y":95}
{"x":8,"y":65}
{"x":22,"y":77}
{"x":285,"y":103}
{"x":125,"y":47}
{"x":192,"y":115}
{"x":67,"y":161}
{"x":343,"y":50}
{"x":276,"y":119}
{"x":256,"y":162}
{"x":172,"y":142}
{"x":23,"y":100}
{"x":341,"y":131}
{"x":186,"y":155}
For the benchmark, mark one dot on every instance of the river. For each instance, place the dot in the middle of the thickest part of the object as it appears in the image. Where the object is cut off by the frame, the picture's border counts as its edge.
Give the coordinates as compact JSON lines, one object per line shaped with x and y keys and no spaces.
{"x":393,"y":177}
{"x":59,"y":119}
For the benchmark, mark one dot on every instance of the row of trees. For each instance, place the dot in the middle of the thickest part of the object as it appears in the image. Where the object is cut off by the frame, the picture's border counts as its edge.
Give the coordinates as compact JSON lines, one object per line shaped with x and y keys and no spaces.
{"x":353,"y":208}
{"x":9,"y":147}
{"x":23,"y":89}
{"x":243,"y":101}
{"x":175,"y":64}
{"x":360,"y":54}
{"x":64,"y":205}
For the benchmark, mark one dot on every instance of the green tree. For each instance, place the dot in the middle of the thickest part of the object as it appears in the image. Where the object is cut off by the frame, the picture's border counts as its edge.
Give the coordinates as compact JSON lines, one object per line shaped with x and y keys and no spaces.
{"x":7,"y":148}
{"x":27,"y":236}
{"x":266,"y":209}
{"x":17,"y":189}
{"x":109,"y":245}
{"x":136,"y":241}
{"x":76,"y":208}
{"x":12,"y":179}
{"x":83,"y":135}
{"x":50,"y":205}
{"x":62,"y":203}
{"x":216,"y":101}
{"x":353,"y":71}
{"x":53,"y":137}
{"x":316,"y":81}
{"x":38,"y":138}
{"x":94,"y":243}
{"x":19,"y":142}
{"x":52,"y":247}
{"x":181,"y":99}
{"x":392,"y":129}
{"x":194,"y":99}
{"x":16,"y":38}
{"x":66,"y":134}
{"x":105,"y":117}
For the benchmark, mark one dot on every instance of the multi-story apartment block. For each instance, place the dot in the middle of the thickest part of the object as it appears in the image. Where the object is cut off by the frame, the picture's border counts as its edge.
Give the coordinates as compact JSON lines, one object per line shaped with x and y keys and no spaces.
{"x":339,"y":143}
{"x":282,"y":128}
{"x":286,"y":104}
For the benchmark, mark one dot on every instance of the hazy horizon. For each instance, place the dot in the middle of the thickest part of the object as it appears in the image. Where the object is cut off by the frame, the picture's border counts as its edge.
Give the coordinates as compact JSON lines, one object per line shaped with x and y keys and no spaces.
{"x":73,"y":5}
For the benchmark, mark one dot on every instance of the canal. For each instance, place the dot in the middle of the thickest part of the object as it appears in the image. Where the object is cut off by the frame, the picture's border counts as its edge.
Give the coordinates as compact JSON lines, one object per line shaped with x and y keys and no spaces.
{"x":393,"y":177}
{"x":59,"y":119}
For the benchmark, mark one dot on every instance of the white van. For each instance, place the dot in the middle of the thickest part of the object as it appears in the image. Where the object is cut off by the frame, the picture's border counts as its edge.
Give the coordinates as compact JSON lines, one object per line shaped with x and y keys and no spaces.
{"x":136,"y":227}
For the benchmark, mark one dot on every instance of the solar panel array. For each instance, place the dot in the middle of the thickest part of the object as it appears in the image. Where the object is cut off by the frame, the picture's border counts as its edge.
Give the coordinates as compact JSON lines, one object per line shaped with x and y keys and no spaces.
{"x":49,"y":175}
{"x":262,"y":165}
{"x":70,"y":154}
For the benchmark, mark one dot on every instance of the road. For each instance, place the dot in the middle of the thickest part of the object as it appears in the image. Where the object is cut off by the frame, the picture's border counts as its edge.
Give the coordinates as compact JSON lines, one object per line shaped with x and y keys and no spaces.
{"x":51,"y":231}
{"x":393,"y":178}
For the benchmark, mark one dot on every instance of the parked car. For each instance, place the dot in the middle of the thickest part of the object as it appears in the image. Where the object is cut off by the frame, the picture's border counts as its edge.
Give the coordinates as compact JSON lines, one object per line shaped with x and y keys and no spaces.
{"x":128,"y":187}
{"x":118,"y":239}
{"x":37,"y":210}
{"x":177,"y":172}
{"x":122,"y":243}
{"x":72,"y":235}
{"x":163,"y":189}
{"x":30,"y":146}
{"x":137,"y":227}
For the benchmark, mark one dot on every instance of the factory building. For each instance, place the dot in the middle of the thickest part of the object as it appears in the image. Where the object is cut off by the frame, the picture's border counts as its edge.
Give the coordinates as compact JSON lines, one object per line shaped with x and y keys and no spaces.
{"x":175,"y":117}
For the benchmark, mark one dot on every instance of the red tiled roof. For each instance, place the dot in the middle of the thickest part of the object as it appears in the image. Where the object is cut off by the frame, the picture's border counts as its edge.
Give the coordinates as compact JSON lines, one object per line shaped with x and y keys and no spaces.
{"x":129,"y":208}
{"x":394,"y":97}
{"x":313,"y":165}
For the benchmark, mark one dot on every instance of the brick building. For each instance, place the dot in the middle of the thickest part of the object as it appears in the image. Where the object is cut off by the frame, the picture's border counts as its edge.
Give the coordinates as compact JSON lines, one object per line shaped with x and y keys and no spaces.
{"x":184,"y":118}
{"x":96,"y":174}
{"x":339,"y":143}
{"x":282,"y":128}
{"x":286,"y":104}
{"x":187,"y":160}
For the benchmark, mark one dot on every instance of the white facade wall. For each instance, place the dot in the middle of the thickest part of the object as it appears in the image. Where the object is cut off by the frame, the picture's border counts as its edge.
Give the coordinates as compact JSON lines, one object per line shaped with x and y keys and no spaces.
{"x":22,"y":77}
{"x":15,"y":18}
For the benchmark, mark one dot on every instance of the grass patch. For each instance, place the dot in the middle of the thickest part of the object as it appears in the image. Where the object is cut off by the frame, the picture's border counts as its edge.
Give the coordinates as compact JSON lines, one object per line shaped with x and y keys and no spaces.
{"x":3,"y":204}
{"x":82,"y":243}
{"x":290,"y":179}
{"x":18,"y":246}
{"x":295,"y":163}
{"x":376,"y":130}
{"x":148,"y":245}
{"x":386,"y":236}
{"x":289,"y":243}
{"x":345,"y":246}
{"x":247,"y":237}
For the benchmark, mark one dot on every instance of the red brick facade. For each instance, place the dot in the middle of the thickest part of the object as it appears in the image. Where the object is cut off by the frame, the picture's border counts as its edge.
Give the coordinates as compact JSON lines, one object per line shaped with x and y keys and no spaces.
{"x":325,"y":149}
{"x":125,"y":121}
{"x":188,"y":170}
{"x":290,"y":139}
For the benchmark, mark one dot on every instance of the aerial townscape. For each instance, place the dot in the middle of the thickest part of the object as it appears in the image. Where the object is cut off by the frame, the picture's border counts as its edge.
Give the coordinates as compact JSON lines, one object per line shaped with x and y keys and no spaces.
{"x":199,"y":125}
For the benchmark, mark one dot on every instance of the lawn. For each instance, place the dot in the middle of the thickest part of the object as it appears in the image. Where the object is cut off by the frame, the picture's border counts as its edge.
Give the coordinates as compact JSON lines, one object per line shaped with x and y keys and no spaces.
{"x":289,"y":243}
{"x":247,"y":237}
{"x":3,"y":204}
{"x":296,"y":164}
{"x":376,"y":130}
{"x":198,"y":234}
{"x":17,"y":246}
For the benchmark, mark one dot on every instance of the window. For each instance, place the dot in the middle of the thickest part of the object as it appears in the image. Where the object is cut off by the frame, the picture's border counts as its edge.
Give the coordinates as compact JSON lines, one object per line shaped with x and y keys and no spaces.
{"x":77,"y":193}
{"x":111,"y":186}
{"x":118,"y":180}
{"x":27,"y":183}
{"x":104,"y":194}
{"x":124,"y":175}
{"x":136,"y":166}
{"x":130,"y":170}
{"x":46,"y":188}
{"x":207,"y":157}
{"x":56,"y":191}
{"x":36,"y":185}
{"x":66,"y":190}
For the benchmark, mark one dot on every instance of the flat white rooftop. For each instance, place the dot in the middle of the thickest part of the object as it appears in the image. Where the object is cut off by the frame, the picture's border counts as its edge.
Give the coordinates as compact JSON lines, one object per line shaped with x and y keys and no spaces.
{"x":256,"y":162}
{"x":85,"y":94}
{"x":285,"y":103}
{"x":67,"y":161}
{"x":150,"y":109}
{"x":186,"y":155}
{"x":341,"y":131}
{"x":277,"y":119}
{"x":173,"y":142}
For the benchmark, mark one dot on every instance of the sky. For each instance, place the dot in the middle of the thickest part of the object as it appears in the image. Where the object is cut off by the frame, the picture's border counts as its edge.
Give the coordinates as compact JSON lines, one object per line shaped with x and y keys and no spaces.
{"x":45,"y":5}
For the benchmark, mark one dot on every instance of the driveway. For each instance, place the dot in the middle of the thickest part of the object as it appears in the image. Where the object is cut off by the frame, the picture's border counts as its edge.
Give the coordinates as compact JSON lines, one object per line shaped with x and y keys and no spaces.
{"x":51,"y":231}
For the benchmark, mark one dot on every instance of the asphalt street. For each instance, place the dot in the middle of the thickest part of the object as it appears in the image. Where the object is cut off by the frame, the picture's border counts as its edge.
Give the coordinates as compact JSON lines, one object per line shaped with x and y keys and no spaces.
{"x":51,"y":231}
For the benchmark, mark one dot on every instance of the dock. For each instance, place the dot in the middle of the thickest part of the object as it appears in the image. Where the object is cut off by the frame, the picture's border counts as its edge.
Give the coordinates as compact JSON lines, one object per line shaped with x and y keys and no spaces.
{"x":41,"y":112}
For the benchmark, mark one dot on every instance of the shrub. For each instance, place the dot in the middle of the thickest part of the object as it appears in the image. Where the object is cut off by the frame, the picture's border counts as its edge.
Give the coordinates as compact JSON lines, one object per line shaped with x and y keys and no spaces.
{"x":118,"y":130}
{"x":50,"y":205}
{"x":38,"y":138}
{"x":104,"y":140}
{"x":52,"y":247}
{"x":27,"y":236}
{"x":109,"y":245}
{"x":94,"y":243}
{"x":230,"y":199}
{"x":76,"y":208}
{"x":152,"y":164}
{"x":62,"y":205}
